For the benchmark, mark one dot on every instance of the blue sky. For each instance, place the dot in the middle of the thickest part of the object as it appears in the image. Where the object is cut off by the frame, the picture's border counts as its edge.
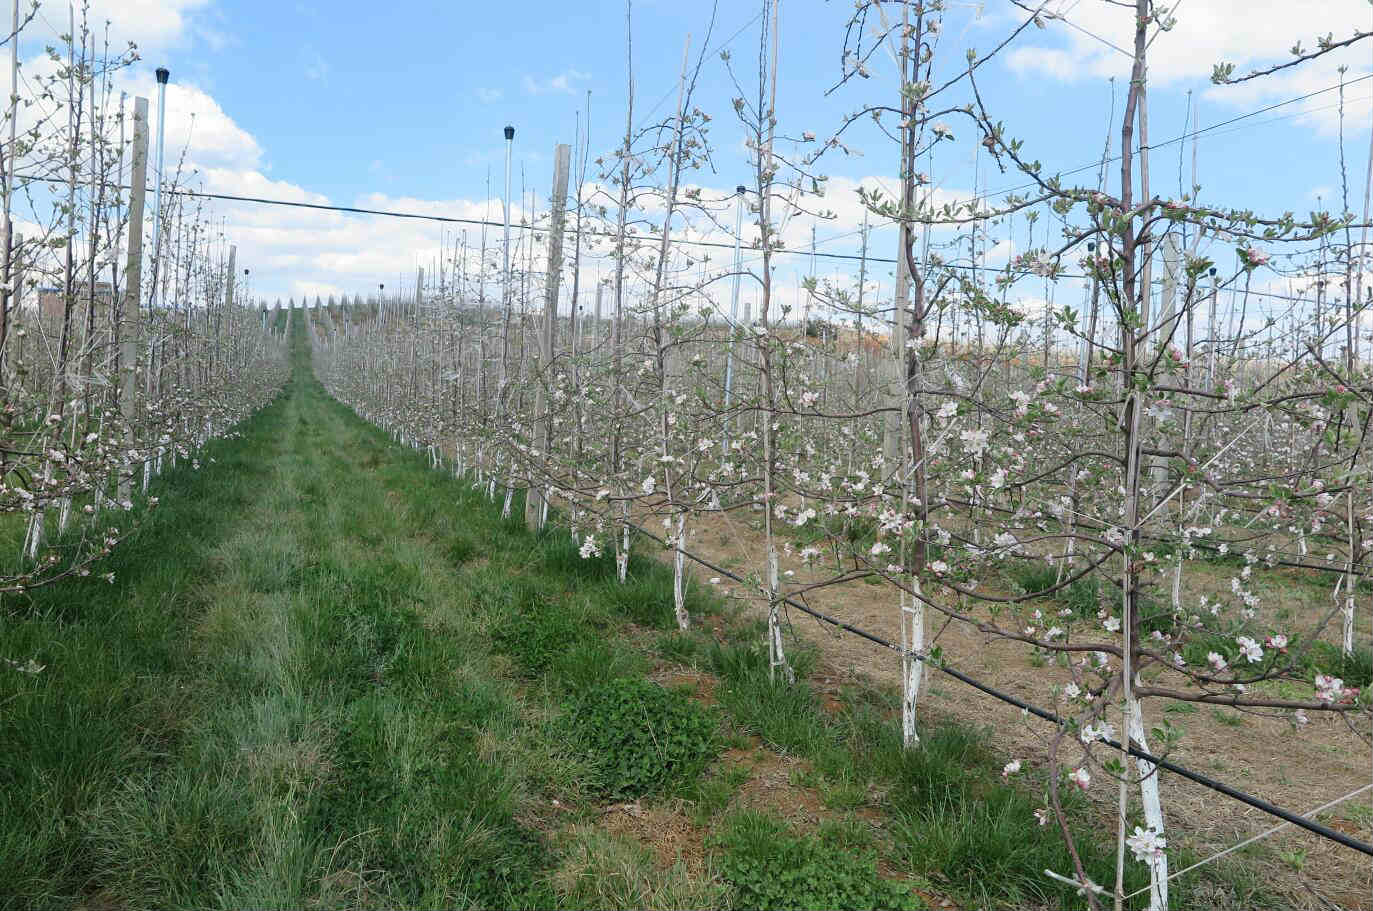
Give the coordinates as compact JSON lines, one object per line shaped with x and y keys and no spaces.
{"x":399,"y":105}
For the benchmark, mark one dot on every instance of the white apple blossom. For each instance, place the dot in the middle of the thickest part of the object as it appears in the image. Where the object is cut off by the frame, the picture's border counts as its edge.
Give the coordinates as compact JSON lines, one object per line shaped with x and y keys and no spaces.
{"x":1146,"y":844}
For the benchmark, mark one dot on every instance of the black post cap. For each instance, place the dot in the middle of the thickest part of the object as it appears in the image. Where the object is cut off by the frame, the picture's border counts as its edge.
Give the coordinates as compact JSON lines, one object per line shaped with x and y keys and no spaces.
{"x":509,"y":133}
{"x":162,"y":75}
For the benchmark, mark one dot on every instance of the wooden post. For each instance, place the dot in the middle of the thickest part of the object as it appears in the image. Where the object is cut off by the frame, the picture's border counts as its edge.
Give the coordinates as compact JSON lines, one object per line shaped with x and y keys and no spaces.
{"x":1168,"y":313}
{"x":229,"y":285}
{"x":894,"y":374}
{"x":534,"y":506}
{"x":133,"y":272}
{"x":594,"y":335}
{"x":415,"y":334}
{"x":15,"y":291}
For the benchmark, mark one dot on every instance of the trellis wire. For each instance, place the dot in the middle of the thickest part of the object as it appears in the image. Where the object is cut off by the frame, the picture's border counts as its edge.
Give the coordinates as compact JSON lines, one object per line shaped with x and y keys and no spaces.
{"x":1257,"y":803}
{"x":1259,"y":837}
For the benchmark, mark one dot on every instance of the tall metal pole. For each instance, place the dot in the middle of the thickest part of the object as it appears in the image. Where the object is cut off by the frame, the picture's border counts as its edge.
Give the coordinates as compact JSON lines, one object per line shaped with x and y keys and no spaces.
{"x":153,"y":374}
{"x":733,"y":311}
{"x":162,"y":76}
{"x":505,"y":259}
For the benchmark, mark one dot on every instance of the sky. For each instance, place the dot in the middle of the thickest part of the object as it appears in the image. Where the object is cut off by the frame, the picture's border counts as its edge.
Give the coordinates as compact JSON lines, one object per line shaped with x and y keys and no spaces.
{"x":399,"y":106}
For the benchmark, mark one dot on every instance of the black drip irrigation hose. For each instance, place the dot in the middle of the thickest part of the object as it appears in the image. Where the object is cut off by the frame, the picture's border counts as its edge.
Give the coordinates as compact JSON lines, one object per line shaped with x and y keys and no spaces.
{"x":1219,"y":787}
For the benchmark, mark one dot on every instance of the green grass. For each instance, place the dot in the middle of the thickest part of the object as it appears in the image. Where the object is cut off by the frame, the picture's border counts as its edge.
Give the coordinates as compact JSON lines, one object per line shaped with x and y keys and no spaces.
{"x":1083,"y":596}
{"x":600,"y":870}
{"x":1356,"y":669}
{"x":263,"y":710}
{"x":951,"y":815}
{"x":950,"y":819}
{"x":326,"y":675}
{"x":1032,"y":578}
{"x":1306,"y":659}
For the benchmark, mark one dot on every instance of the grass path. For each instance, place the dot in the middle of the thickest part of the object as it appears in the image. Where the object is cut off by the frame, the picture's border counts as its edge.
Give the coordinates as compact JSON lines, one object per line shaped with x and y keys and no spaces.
{"x":328,"y":676}
{"x":279,"y":701}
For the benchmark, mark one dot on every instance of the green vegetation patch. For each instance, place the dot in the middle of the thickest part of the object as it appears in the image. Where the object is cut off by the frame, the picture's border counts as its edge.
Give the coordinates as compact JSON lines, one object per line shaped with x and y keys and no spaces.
{"x":769,"y":867}
{"x":642,"y":739}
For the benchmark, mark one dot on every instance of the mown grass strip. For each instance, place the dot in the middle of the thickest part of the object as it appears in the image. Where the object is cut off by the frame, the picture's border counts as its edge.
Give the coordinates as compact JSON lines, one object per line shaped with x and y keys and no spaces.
{"x":328,"y":675}
{"x":264,"y":710}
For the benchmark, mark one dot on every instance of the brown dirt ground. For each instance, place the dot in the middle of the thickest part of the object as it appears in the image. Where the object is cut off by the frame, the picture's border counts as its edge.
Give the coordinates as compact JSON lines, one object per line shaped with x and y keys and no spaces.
{"x":1255,"y":753}
{"x":772,"y":786}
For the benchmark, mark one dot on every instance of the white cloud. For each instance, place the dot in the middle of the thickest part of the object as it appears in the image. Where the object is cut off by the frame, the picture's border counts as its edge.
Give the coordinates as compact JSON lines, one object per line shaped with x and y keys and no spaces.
{"x":1248,"y":33}
{"x":150,"y":23}
{"x":197,"y":123}
{"x":294,"y":251}
{"x":306,"y":290}
{"x":489,"y":96}
{"x":1050,"y":61}
{"x":253,"y":183}
{"x":301,"y":252}
{"x":1244,"y":32}
{"x":1323,"y":194}
{"x":563,"y":83}
{"x":316,"y":67}
{"x":290,"y":251}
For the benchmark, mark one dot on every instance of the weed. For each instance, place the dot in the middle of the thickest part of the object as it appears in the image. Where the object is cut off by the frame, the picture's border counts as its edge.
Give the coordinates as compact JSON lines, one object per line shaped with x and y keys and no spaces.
{"x":714,"y":792}
{"x":1356,"y":668}
{"x":1032,"y":578}
{"x":769,"y":867}
{"x":1082,"y":596}
{"x":641,"y":739}
{"x":683,"y":648}
{"x":600,"y":870}
{"x":1229,"y":719}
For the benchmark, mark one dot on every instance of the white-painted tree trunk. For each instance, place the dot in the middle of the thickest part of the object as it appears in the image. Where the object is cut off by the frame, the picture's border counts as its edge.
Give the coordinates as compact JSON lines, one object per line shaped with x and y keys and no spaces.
{"x":1153,"y":806}
{"x":1350,"y":580}
{"x":33,"y":537}
{"x":679,"y":574}
{"x":622,"y":544}
{"x":912,"y":668}
{"x":777,"y":656}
